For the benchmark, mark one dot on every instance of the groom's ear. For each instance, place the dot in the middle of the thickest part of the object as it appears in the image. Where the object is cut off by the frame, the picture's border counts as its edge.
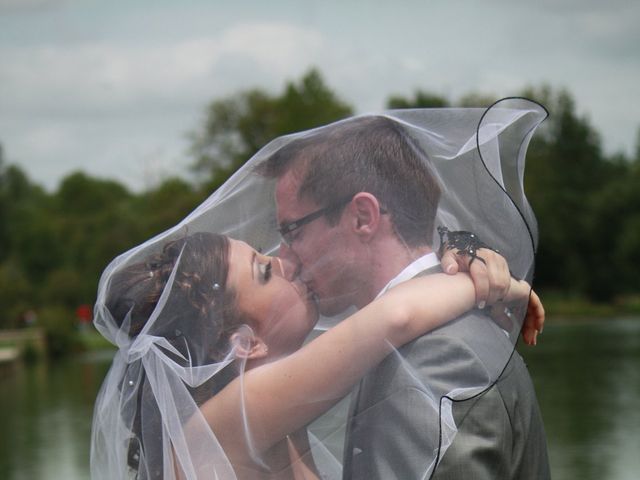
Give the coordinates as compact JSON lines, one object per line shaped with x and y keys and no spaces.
{"x":365,"y":210}
{"x":248,"y":347}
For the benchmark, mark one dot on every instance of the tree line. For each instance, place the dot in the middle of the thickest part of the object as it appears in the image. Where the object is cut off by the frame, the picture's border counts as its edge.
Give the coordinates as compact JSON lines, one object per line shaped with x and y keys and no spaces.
{"x":54,"y":245}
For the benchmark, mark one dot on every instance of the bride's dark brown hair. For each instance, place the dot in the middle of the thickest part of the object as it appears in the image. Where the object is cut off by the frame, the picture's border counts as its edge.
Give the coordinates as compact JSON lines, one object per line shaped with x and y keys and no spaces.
{"x":198,"y":320}
{"x":201,"y":306}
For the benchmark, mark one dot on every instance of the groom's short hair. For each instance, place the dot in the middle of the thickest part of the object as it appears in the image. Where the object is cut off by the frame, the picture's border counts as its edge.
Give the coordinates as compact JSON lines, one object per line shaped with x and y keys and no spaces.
{"x":365,"y":154}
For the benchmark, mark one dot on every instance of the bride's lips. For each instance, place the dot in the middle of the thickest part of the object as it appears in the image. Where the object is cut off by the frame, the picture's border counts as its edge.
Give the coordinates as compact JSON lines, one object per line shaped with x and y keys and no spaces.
{"x":305,"y":291}
{"x":301,"y":288}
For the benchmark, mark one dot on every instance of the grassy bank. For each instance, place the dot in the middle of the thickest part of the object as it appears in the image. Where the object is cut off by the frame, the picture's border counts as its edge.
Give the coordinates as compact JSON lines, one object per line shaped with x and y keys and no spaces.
{"x":575,"y":307}
{"x":70,"y":341}
{"x":91,"y":340}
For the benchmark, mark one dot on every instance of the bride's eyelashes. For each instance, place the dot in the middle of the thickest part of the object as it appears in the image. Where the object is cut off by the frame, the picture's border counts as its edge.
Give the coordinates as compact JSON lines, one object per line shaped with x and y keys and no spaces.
{"x":265,"y":271}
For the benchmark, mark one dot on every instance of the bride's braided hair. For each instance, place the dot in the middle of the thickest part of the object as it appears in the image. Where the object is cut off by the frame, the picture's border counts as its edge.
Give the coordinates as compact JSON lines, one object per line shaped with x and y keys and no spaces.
{"x":198,"y":321}
{"x":201,"y":306}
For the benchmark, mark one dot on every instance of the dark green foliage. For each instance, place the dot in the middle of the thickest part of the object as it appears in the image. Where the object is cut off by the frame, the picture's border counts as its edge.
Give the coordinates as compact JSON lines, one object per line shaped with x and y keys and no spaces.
{"x":53,"y":246}
{"x":587,"y":205}
{"x":56,"y":245}
{"x":4,"y":209}
{"x":16,"y":293}
{"x":421,"y":99}
{"x":62,"y":335}
{"x":163,"y":206}
{"x":237,"y":127}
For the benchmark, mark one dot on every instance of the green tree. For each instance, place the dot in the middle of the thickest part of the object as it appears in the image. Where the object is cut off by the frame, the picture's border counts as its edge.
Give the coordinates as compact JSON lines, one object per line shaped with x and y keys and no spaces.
{"x":476,"y":99}
{"x":92,"y":225}
{"x":237,"y":127}
{"x":24,"y":249}
{"x":421,"y":99}
{"x":565,"y":171}
{"x":15,"y":294}
{"x":4,"y":210}
{"x":586,"y":203}
{"x":615,"y":230}
{"x":30,"y":223}
{"x":425,"y":99}
{"x":164,"y":206}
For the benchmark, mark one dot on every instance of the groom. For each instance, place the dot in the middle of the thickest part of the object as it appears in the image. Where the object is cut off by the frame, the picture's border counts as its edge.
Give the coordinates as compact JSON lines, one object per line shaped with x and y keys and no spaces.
{"x":356,"y":208}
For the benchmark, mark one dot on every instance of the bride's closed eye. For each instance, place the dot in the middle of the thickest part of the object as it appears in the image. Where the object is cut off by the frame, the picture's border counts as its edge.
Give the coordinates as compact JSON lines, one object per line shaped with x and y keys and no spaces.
{"x":265,"y":271}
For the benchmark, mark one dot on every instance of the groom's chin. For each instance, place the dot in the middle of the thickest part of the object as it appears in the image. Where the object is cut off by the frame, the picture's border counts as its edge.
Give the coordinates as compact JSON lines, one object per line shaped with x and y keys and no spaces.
{"x":330,"y":307}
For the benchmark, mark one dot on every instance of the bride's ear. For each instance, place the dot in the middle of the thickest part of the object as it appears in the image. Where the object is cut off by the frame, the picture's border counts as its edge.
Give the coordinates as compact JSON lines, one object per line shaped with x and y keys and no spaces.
{"x":248,"y":346}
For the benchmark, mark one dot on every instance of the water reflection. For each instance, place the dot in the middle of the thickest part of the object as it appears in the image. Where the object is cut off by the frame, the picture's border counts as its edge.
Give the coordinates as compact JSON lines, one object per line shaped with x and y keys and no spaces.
{"x":586,"y":375}
{"x":45,"y":412}
{"x":588,"y":385}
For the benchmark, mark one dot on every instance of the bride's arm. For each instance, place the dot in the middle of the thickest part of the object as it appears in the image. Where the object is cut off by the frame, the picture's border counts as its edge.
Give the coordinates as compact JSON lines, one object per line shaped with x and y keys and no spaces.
{"x":284,"y":395}
{"x":302,"y":463}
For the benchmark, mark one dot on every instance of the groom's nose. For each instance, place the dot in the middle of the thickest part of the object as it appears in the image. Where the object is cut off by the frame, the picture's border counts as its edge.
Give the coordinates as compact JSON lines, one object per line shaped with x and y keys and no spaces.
{"x":290,"y":262}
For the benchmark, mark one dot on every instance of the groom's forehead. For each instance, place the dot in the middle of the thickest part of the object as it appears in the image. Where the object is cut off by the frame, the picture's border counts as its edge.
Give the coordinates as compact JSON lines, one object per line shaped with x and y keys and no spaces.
{"x":287,"y":196}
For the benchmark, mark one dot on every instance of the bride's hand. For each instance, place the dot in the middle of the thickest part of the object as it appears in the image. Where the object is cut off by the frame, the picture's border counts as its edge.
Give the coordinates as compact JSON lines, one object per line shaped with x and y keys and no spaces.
{"x":490,"y":276}
{"x":520,"y":300}
{"x":534,"y":320}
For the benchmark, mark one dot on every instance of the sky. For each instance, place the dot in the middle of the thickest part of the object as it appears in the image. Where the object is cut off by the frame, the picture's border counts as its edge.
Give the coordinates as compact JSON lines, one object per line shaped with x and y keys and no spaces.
{"x":115,"y":88}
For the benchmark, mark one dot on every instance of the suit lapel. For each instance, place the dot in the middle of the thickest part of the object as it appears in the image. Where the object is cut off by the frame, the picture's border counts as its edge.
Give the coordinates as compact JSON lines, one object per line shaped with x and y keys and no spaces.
{"x":355,"y":405}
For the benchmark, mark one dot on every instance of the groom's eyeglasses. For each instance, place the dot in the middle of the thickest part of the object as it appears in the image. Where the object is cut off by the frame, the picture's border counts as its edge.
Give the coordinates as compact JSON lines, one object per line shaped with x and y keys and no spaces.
{"x":286,"y":229}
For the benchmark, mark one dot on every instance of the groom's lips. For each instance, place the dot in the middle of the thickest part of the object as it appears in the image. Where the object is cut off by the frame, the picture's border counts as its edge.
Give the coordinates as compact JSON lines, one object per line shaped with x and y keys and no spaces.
{"x":311,"y":294}
{"x":308,"y":290}
{"x":302,"y":288}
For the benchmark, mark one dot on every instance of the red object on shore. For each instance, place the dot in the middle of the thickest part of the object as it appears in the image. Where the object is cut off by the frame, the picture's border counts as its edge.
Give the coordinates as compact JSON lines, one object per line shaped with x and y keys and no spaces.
{"x":84,"y":313}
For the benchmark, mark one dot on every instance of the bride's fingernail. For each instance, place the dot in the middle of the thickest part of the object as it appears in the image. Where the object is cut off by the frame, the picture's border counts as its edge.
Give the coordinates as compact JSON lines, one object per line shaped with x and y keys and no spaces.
{"x":450,"y":268}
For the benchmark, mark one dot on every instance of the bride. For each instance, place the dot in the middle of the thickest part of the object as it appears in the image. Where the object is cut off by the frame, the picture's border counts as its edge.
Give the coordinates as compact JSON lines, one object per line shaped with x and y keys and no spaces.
{"x":210,"y":300}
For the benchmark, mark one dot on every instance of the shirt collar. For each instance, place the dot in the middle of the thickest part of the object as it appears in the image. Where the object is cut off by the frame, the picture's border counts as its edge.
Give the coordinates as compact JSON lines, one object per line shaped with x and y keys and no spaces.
{"x":414,"y":268}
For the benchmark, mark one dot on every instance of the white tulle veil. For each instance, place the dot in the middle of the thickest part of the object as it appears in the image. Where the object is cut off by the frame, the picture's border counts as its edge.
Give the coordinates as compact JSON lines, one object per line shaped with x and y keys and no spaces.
{"x":167,"y":363}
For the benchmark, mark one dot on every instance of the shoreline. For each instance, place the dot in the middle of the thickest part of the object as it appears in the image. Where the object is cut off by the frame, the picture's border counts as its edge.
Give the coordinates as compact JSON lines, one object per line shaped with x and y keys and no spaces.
{"x":568,"y":308}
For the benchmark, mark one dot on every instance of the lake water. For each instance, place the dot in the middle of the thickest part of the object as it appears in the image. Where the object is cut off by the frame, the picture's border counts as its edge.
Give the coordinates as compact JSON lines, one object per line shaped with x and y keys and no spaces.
{"x":587,"y":376}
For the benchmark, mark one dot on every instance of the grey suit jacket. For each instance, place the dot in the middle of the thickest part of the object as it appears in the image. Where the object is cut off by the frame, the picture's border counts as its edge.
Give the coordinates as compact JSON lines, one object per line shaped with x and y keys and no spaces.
{"x":394,"y":426}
